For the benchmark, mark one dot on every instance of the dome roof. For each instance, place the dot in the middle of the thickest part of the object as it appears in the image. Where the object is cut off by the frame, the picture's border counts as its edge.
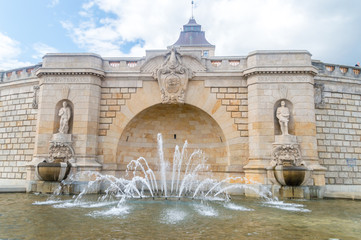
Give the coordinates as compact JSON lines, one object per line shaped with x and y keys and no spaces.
{"x":192,"y":35}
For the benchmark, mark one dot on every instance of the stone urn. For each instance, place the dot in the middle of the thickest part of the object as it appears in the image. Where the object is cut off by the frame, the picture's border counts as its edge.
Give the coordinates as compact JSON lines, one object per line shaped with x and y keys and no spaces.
{"x":53,"y":171}
{"x":290,"y":175}
{"x":61,"y":157}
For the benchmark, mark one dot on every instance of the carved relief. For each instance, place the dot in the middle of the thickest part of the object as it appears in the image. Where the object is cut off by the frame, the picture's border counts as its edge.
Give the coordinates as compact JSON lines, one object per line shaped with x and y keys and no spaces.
{"x":284,"y":78}
{"x":283,"y":91}
{"x":35,"y":97}
{"x":173,"y":78}
{"x":60,"y":152}
{"x":69,"y":80}
{"x":286,"y":155}
{"x":65,"y":92}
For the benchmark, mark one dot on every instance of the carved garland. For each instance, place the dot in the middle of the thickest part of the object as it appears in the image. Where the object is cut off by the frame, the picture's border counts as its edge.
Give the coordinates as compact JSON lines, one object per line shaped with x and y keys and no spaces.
{"x":319,"y":95}
{"x":35,"y":97}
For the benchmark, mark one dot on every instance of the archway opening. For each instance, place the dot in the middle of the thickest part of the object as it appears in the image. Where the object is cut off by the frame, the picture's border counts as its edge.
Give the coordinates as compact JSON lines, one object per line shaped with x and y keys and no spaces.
{"x":176,"y":123}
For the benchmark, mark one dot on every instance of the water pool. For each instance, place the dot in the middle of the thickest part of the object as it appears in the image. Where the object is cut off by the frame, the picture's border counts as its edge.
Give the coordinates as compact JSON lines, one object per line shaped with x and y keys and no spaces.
{"x":30,"y":216}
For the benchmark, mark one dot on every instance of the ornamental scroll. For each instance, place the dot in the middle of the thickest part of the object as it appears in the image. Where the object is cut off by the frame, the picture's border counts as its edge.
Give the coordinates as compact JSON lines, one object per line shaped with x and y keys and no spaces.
{"x":172,"y":78}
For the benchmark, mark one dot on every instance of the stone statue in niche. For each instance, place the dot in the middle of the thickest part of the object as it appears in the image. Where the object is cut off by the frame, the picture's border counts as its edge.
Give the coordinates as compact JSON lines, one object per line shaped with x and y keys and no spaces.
{"x":283,"y":115}
{"x":65,"y":114}
{"x":172,"y":78}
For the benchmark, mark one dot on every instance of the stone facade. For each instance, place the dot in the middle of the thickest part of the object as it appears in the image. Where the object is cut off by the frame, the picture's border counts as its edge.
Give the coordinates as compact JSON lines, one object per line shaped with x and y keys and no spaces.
{"x":338,"y":120}
{"x":235,"y":101}
{"x":112,"y":99}
{"x":17,"y":128}
{"x":225,"y":106}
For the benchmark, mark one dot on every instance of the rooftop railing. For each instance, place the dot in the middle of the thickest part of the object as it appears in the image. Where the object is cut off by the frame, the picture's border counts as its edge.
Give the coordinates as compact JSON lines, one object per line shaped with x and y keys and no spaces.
{"x":338,"y":70}
{"x":19,"y":73}
{"x":134,"y":64}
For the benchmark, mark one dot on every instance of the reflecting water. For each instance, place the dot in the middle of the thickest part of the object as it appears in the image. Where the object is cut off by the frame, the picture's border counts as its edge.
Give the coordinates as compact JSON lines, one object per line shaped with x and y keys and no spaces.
{"x":28,"y":216}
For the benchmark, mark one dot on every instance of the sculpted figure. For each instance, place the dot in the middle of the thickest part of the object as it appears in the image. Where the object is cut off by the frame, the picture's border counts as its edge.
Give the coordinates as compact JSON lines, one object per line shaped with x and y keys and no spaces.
{"x":283,"y":115}
{"x":65,"y":115}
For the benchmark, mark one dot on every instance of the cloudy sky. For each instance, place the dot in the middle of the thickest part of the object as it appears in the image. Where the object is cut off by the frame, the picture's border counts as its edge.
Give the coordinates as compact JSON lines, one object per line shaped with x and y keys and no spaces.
{"x":329,"y":29}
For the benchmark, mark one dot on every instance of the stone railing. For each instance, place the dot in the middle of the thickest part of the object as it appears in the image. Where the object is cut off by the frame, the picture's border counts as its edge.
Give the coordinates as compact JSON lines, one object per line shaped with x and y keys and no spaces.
{"x":122,"y":64}
{"x":19,"y":73}
{"x":236,"y":63}
{"x":337,"y":70}
{"x":134,"y":64}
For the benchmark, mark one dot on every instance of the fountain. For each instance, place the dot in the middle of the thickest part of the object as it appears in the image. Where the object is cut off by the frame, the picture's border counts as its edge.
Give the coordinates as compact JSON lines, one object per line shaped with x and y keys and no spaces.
{"x":183,"y":193}
{"x":57,"y":166}
{"x":188,"y":177}
{"x":287,"y":166}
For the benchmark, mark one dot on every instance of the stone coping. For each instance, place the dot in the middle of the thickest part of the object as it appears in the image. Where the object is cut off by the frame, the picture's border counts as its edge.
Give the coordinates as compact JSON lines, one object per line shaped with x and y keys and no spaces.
{"x":12,"y":186}
{"x":343,"y":191}
{"x":12,"y":189}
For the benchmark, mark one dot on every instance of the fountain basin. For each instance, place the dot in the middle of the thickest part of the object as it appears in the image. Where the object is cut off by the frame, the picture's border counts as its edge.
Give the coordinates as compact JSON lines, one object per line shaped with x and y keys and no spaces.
{"x":241,"y":218}
{"x":54,"y":171}
{"x":290,"y":175}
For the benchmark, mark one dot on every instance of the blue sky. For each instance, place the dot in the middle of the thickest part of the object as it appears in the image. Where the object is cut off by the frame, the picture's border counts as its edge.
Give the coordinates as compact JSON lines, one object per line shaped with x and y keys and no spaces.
{"x":328,"y":29}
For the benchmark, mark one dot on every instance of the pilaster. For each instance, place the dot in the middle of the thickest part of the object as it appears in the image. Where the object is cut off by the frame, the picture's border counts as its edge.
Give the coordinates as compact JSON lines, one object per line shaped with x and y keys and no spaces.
{"x":76,"y":79}
{"x":273,"y":76}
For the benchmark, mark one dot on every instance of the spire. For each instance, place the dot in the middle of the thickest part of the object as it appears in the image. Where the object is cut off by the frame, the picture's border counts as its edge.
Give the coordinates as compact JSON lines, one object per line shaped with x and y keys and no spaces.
{"x":192,"y":9}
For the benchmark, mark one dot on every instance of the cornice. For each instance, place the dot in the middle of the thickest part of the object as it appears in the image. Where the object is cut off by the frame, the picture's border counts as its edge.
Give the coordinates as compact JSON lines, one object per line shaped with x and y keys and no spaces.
{"x":310,"y":70}
{"x":70,"y":71}
{"x":19,"y":83}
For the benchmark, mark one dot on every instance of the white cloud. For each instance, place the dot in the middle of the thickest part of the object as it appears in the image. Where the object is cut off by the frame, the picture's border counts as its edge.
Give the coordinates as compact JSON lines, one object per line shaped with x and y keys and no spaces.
{"x":41,"y":49}
{"x":8,"y":47}
{"x":53,"y":3}
{"x":9,"y":52}
{"x":133,"y":22}
{"x":327,"y":28}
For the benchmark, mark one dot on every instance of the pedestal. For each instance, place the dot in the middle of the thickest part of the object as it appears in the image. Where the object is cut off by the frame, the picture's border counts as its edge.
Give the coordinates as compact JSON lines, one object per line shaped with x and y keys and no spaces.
{"x":61,"y":137}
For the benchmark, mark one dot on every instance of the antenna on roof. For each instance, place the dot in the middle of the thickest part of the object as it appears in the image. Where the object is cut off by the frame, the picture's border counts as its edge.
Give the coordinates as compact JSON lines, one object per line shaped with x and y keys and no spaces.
{"x":192,"y":8}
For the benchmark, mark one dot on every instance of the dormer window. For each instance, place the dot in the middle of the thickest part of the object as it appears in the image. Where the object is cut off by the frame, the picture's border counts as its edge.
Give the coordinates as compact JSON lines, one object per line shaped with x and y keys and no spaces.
{"x":192,"y":28}
{"x":205,"y":53}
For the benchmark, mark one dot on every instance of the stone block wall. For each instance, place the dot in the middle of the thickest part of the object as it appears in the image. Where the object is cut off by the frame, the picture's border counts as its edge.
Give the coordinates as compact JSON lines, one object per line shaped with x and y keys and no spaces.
{"x":236,"y":101}
{"x":111,"y":101}
{"x":338,"y":120}
{"x":17,"y":130}
{"x":177,"y":124}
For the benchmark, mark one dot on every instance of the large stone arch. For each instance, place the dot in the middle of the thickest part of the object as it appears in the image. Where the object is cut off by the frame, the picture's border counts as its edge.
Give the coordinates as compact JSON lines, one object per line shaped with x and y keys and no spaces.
{"x":177,"y":123}
{"x":149,"y":95}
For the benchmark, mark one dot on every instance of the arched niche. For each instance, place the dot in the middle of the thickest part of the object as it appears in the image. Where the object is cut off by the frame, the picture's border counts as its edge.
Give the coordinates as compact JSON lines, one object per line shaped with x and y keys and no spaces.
{"x":291,"y":123}
{"x":58,"y":106}
{"x":177,"y":123}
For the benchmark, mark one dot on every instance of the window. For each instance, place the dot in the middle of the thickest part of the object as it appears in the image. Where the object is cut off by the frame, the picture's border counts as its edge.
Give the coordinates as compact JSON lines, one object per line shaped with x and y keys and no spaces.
{"x":205,"y":53}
